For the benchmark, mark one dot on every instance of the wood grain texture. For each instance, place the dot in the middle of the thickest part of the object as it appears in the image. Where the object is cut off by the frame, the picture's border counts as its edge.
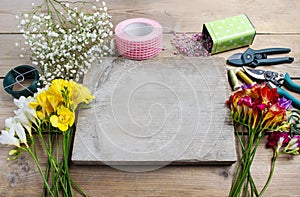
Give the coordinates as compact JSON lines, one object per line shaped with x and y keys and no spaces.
{"x":6,"y":105}
{"x":20,"y":177}
{"x":10,"y":55}
{"x":156,"y":112}
{"x":277,"y":25}
{"x":183,"y":16}
{"x":190,"y":180}
{"x":19,"y":180}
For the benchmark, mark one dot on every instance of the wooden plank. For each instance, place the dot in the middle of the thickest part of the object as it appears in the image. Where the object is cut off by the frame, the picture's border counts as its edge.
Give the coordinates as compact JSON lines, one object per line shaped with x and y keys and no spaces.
{"x":190,"y":180}
{"x":167,"y":181}
{"x":156,"y":112}
{"x":10,"y":57}
{"x":22,"y":172}
{"x":10,"y":54}
{"x":20,"y":177}
{"x":184,"y":16}
{"x":187,"y":181}
{"x":278,"y":17}
{"x":6,"y":105}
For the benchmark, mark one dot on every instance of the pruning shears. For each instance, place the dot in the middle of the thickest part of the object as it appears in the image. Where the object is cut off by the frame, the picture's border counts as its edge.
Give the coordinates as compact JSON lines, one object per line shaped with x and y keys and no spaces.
{"x":254,"y":58}
{"x":276,"y":80}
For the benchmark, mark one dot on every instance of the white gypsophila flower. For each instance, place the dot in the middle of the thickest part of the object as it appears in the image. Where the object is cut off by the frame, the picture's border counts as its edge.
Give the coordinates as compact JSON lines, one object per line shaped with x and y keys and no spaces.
{"x":68,"y":41}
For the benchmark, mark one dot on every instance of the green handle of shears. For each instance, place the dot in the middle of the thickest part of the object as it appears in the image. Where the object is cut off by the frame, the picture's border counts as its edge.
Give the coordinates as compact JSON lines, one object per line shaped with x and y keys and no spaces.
{"x":289,"y":84}
{"x":284,"y":93}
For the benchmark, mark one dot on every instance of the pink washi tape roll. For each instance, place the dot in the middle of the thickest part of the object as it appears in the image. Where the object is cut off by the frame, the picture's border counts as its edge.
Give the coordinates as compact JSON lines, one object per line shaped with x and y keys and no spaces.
{"x":139,"y":38}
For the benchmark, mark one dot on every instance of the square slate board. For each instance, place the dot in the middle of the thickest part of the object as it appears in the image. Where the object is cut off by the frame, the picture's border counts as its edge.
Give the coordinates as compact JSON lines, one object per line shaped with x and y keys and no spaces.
{"x":156,"y":112}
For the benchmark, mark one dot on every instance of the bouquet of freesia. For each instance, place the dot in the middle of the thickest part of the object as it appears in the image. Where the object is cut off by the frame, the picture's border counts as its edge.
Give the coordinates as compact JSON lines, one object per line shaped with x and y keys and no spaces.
{"x":258,"y":111}
{"x":50,"y":111}
{"x":64,"y":38}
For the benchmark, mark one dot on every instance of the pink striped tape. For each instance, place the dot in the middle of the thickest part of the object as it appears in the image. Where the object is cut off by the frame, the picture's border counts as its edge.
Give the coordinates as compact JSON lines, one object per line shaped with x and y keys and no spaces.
{"x":138,"y":38}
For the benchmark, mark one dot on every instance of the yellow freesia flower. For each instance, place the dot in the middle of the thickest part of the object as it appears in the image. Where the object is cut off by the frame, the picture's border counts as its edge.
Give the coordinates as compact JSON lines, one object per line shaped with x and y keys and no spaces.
{"x":54,"y":100}
{"x":63,"y":120}
{"x":81,"y":94}
{"x":42,"y":101}
{"x":58,"y":85}
{"x":40,"y":115}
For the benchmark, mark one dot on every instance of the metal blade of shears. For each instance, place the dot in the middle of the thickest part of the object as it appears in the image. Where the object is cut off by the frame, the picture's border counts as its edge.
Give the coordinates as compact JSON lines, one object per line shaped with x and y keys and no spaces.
{"x":235,"y":56}
{"x":255,"y":73}
{"x":235,"y":59}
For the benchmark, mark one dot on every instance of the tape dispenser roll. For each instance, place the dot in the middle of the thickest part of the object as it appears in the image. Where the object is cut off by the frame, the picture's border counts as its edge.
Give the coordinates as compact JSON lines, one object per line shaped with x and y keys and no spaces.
{"x":139,"y":38}
{"x":16,"y":76}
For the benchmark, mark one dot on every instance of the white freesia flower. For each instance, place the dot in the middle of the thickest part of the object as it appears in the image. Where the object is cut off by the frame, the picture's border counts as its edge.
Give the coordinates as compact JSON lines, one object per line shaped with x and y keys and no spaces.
{"x":8,"y":137}
{"x":15,"y":126}
{"x":20,"y":102}
{"x":19,"y":130}
{"x":23,"y":120}
{"x":26,"y":115}
{"x":9,"y":122}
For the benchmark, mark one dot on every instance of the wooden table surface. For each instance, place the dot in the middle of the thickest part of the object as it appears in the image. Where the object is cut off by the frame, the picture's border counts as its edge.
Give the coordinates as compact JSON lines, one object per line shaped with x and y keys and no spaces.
{"x":277,"y":25}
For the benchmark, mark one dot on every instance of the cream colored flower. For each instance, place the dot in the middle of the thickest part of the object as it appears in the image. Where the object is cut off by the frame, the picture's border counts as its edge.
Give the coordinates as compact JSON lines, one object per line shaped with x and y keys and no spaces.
{"x":25,"y":114}
{"x":8,"y":137}
{"x":17,"y":129}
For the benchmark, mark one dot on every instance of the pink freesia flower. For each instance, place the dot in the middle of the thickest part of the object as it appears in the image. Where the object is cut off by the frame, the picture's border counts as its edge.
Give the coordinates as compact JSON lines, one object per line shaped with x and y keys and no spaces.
{"x":259,"y":109}
{"x":278,"y":139}
{"x":258,"y":102}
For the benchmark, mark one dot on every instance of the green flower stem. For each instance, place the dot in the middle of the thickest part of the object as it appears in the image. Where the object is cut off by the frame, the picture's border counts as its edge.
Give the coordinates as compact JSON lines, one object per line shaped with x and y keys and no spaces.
{"x":235,"y":178}
{"x":48,"y":167}
{"x":67,"y":143}
{"x":59,"y":172}
{"x":46,"y":177}
{"x":33,"y":154}
{"x":251,"y":181}
{"x":253,"y":186}
{"x":57,"y":12}
{"x":243,"y":170}
{"x":53,"y":164}
{"x":270,"y":174}
{"x":34,"y":147}
{"x":239,"y":178}
{"x":66,"y":150}
{"x":50,"y":163}
{"x":54,"y":161}
{"x":40,"y":170}
{"x":246,"y":163}
{"x":78,"y":188}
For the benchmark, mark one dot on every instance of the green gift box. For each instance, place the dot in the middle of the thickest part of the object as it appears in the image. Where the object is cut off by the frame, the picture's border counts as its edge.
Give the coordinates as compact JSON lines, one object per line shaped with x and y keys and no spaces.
{"x":229,"y":33}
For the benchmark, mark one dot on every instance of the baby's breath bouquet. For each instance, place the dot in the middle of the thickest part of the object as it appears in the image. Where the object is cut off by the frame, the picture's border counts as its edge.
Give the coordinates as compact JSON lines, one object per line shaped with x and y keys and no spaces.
{"x":48,"y":114}
{"x":64,"y":37}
